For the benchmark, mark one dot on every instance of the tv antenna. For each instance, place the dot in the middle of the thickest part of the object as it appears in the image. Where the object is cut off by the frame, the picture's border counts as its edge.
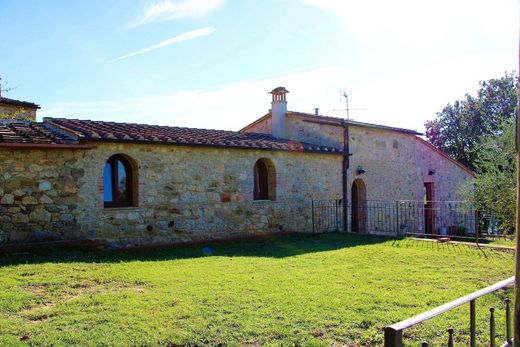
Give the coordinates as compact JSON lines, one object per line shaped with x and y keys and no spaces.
{"x":4,"y":89}
{"x":346,"y":96}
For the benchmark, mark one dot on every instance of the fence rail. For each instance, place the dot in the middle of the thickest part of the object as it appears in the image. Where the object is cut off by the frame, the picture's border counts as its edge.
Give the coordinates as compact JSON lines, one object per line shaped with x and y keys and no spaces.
{"x":327,"y":215}
{"x":394,"y":332}
{"x":404,"y":217}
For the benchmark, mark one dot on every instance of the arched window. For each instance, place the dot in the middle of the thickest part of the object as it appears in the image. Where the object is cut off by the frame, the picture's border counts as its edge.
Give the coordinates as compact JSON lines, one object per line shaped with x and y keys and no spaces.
{"x":118,"y":182}
{"x":265,"y":180}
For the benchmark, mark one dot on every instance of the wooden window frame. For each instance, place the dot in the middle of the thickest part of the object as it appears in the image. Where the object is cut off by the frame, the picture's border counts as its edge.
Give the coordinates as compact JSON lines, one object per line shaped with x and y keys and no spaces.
{"x":114,"y":170}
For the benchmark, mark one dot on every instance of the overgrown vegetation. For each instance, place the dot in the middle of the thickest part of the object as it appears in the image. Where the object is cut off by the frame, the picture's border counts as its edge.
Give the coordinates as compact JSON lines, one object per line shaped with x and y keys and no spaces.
{"x":495,"y":188}
{"x":19,"y":114}
{"x":478,"y":131}
{"x":304,"y":290}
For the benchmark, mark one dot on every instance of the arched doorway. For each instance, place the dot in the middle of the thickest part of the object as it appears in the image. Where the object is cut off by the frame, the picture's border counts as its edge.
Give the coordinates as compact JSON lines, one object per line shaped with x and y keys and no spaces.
{"x":358,"y":196}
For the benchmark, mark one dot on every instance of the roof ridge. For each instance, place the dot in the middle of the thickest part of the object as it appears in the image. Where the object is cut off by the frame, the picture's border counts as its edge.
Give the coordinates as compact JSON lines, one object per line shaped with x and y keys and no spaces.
{"x":87,"y":130}
{"x":137,"y":124}
{"x":18,"y":102}
{"x":355,"y":122}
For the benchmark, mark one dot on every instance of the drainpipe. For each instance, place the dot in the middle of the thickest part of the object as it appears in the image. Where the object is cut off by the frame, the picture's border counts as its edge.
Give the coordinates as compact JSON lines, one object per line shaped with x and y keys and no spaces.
{"x":345,"y":167}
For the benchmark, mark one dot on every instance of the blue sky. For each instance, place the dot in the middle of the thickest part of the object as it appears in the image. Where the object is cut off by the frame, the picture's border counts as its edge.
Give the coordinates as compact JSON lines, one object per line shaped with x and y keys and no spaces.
{"x":210,"y":63}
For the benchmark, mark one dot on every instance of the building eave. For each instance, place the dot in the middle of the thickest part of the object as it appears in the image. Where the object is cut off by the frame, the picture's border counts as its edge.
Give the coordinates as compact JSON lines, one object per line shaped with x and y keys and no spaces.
{"x":20,"y":103}
{"x":244,"y":129}
{"x":44,"y":146}
{"x":319,"y":119}
{"x":446,"y":156}
{"x":92,"y":143}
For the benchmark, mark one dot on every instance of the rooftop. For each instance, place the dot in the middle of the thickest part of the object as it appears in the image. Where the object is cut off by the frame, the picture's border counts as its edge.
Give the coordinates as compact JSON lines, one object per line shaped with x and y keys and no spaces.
{"x":337,"y":121}
{"x":74,"y":131}
{"x":20,"y":103}
{"x":22,"y":132}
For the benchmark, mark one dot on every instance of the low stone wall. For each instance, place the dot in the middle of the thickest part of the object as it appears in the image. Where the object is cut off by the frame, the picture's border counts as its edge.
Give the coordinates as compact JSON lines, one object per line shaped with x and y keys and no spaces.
{"x":184,"y":194}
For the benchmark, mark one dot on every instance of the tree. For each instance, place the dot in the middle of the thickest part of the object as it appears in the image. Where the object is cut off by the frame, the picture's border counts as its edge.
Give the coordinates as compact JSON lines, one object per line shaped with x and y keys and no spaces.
{"x":459,"y":127}
{"x":495,"y":185}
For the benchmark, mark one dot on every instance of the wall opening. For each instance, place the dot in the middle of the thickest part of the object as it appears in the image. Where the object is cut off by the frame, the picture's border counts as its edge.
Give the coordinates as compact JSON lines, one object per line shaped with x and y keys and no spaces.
{"x":265,"y":180}
{"x":120,"y":186}
{"x":429,"y":208}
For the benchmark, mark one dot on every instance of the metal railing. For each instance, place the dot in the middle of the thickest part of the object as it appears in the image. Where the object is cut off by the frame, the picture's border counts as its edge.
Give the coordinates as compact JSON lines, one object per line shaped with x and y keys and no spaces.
{"x":394,"y":332}
{"x":456,"y":219}
{"x":327,"y":215}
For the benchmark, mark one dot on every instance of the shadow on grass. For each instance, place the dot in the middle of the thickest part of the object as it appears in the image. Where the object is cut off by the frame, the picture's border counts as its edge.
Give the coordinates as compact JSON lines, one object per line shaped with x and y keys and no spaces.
{"x":277,"y":246}
{"x":454,"y":247}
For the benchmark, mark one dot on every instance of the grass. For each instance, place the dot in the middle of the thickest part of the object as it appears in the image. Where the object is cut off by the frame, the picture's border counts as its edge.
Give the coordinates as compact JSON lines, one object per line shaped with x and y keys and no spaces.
{"x":301,"y":290}
{"x":502,"y":241}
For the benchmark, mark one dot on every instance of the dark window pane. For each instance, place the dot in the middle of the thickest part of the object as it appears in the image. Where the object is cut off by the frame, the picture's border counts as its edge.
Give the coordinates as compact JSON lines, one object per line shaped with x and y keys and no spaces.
{"x":261,"y":181}
{"x":107,"y":183}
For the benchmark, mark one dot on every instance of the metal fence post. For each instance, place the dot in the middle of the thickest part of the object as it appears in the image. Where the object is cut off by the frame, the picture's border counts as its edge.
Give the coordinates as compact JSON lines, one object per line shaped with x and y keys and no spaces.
{"x":393,"y":338}
{"x":312,"y":208}
{"x":477,"y":225}
{"x":492,"y":327}
{"x":337,"y":214}
{"x":397,"y":218}
{"x":508,"y":320}
{"x":472,"y":324}
{"x":450,"y":336}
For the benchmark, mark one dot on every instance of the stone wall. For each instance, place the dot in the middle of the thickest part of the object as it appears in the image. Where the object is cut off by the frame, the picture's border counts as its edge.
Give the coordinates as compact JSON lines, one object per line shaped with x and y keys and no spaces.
{"x":305,"y":131}
{"x":395,"y":165}
{"x":318,"y":133}
{"x":185,"y":193}
{"x":39,"y":194}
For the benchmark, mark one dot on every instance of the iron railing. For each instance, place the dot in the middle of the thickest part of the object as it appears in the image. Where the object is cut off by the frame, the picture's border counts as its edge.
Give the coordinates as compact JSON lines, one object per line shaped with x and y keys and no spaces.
{"x":327,"y":215}
{"x":401,"y":218}
{"x":394,"y":333}
{"x":398,"y":217}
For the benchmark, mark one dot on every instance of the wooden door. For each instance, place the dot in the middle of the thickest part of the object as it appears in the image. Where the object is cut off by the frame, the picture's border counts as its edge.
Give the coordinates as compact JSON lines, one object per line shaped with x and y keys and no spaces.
{"x":429,"y":208}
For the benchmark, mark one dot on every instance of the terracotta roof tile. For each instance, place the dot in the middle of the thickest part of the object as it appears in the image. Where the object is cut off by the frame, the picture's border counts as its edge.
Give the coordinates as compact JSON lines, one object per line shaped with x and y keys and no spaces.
{"x":320,"y":118}
{"x":87,"y":130}
{"x":334,"y":121}
{"x":31,"y":133}
{"x":18,"y":103}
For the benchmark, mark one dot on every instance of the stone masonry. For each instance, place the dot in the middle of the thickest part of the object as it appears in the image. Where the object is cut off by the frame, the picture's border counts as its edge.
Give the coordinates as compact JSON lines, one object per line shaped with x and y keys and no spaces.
{"x":185,"y":193}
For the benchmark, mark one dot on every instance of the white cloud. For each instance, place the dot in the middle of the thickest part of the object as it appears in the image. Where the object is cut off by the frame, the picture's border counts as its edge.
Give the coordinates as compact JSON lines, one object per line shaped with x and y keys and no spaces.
{"x":404,"y":98}
{"x":422,"y":23}
{"x":165,"y":10}
{"x":229,"y":106}
{"x":190,"y":35}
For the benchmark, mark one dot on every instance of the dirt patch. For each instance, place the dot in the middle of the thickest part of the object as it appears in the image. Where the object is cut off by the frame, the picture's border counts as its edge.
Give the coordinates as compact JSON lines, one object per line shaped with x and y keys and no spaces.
{"x":47,"y":298}
{"x":35,"y":289}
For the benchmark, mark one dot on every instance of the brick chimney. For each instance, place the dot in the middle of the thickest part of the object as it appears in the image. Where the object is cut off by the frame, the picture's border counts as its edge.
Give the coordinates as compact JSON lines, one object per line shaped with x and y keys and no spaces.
{"x":278,"y":110}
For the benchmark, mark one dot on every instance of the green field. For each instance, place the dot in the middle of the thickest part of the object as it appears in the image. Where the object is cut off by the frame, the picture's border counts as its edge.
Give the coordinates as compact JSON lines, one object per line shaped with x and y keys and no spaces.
{"x":303,"y":290}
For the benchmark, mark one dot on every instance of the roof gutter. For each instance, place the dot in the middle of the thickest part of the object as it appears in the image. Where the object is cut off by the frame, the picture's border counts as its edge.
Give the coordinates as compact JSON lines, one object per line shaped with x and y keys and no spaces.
{"x":44,"y":146}
{"x":207,"y":145}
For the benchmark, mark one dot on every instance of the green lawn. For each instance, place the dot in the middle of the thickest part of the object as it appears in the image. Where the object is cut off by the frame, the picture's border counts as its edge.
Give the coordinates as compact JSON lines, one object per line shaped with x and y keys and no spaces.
{"x":331,"y":289}
{"x":510,"y":242}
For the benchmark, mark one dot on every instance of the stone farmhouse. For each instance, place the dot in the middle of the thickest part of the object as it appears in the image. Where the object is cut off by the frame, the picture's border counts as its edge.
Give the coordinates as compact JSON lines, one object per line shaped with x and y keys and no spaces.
{"x":135,"y":184}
